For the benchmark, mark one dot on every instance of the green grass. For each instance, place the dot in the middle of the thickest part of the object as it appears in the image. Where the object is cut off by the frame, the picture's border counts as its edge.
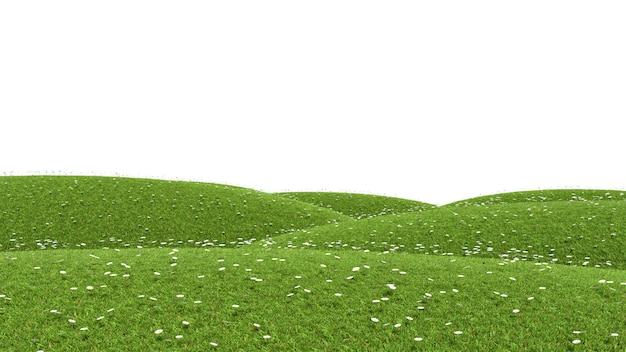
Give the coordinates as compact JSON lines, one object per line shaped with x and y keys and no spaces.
{"x":359,"y":206}
{"x":69,"y":212}
{"x":321,"y":282}
{"x":592,"y":195}
{"x":564,"y":232}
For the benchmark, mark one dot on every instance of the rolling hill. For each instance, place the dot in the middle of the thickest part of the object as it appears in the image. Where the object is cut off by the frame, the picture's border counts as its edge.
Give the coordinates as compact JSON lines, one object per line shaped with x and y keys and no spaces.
{"x":109,"y":263}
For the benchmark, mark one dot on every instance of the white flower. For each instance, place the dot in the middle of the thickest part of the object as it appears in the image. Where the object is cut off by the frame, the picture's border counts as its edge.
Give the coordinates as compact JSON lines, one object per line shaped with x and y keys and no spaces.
{"x":375,"y":320}
{"x":458,"y":332}
{"x":267,"y":336}
{"x":418,"y":339}
{"x":576,"y":342}
{"x":158,"y":331}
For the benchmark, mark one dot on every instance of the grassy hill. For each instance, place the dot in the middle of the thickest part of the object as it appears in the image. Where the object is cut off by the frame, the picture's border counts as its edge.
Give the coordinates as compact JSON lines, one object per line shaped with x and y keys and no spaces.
{"x":591,"y":195}
{"x":108,"y":264}
{"x":68,"y":212}
{"x":359,"y":206}
{"x":575,"y":232}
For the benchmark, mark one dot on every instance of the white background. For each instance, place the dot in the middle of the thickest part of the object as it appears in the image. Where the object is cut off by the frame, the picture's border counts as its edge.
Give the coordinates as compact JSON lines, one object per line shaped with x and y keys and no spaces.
{"x":429,"y":100}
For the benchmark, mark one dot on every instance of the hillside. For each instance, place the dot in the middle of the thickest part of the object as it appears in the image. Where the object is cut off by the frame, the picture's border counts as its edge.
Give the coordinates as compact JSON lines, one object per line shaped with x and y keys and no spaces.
{"x":591,"y":195}
{"x":568,"y":232}
{"x":73,"y":211}
{"x":359,"y":206}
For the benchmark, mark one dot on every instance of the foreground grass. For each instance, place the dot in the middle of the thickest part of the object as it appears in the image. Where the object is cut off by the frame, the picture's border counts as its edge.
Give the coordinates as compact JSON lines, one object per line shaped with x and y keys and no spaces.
{"x":251,"y":298}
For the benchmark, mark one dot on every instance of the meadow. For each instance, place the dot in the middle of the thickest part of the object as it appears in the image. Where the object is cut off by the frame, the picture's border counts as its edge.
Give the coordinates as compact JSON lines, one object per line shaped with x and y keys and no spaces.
{"x":109,"y":264}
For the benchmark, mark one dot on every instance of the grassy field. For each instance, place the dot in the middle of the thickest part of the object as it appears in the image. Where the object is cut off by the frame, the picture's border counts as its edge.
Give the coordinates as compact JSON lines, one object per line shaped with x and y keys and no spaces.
{"x":109,"y":264}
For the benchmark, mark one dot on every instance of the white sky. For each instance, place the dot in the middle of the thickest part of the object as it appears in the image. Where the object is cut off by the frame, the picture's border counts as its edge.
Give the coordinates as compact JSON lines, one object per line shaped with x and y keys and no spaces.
{"x":429,"y":100}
